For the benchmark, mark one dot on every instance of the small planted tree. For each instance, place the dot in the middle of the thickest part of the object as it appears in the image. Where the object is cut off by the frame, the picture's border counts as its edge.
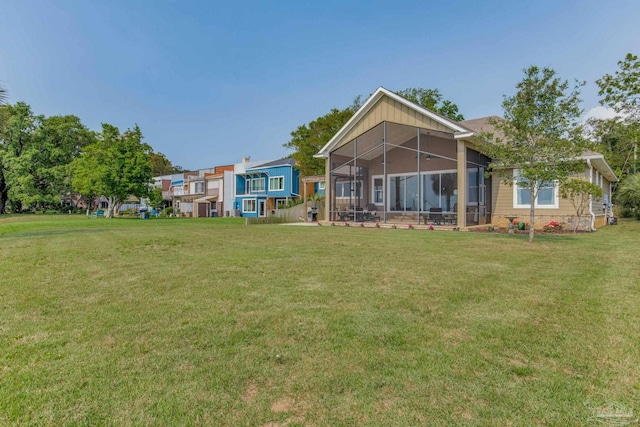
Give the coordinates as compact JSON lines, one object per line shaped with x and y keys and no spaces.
{"x":540,"y":135}
{"x":579,"y":193}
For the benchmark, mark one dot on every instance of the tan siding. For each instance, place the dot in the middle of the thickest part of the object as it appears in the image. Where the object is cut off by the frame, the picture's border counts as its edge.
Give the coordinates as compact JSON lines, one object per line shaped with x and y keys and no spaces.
{"x":387,"y":109}
{"x":504,"y":202}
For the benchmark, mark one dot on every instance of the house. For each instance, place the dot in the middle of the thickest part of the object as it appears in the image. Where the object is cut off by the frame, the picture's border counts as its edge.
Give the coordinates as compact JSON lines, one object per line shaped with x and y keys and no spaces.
{"x":407,"y":164}
{"x":263,"y":187}
{"x":215,"y":201}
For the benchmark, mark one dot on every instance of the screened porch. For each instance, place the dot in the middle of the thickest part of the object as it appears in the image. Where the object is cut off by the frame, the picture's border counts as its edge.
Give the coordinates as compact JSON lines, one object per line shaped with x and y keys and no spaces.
{"x":396,"y":173}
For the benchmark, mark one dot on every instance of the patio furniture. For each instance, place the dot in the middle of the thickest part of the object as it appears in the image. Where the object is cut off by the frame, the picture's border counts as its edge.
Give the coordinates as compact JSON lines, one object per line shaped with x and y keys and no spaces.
{"x":434,"y":215}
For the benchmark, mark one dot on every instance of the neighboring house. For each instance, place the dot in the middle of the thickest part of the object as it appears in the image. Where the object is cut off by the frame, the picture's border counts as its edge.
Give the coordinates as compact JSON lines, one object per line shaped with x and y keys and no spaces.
{"x":263,"y":187}
{"x":212,"y":202}
{"x":409,"y":164}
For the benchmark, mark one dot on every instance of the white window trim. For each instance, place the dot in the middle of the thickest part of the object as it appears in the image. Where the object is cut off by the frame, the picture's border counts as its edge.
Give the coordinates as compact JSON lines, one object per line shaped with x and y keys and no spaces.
{"x":355,"y":196}
{"x":273,"y":178}
{"x":373,"y":189}
{"x":516,"y":205}
{"x":257,"y":191}
{"x":420,"y":180}
{"x":322,"y":185}
{"x":255,"y":206}
{"x":281,"y":200}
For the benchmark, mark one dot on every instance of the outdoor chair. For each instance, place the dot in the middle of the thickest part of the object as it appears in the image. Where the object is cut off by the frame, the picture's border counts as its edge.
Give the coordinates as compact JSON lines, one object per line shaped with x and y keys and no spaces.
{"x":435,"y":215}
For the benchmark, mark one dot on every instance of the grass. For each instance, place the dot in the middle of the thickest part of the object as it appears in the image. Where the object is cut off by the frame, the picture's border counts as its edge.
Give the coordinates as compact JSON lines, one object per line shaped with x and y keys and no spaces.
{"x":211,"y":322}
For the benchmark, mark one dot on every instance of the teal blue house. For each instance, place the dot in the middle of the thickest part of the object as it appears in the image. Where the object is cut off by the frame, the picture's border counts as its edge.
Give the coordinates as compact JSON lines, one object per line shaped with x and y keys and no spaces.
{"x":263,"y":187}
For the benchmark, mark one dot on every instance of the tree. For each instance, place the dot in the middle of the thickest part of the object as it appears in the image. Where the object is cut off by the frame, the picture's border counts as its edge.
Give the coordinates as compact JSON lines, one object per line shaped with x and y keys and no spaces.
{"x":433,"y":100}
{"x":115,"y":167}
{"x":16,"y":136}
{"x":155,"y":198}
{"x":161,"y":165}
{"x":621,"y":92}
{"x":617,"y":139}
{"x":40,"y":177}
{"x":540,"y":135}
{"x":628,"y":194}
{"x":307,"y":140}
{"x":579,"y":192}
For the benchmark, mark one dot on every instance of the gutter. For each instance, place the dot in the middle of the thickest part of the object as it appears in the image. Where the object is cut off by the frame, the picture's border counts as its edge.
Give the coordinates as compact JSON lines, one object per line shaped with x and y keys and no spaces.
{"x":593,"y":215}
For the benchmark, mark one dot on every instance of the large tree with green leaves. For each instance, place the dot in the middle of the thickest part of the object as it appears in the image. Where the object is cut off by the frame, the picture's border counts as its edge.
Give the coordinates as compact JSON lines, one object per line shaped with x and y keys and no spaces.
{"x":40,"y":177}
{"x":116,"y":167}
{"x":540,"y":135}
{"x":433,"y":100}
{"x":35,"y":153}
{"x":619,"y":138}
{"x":308,"y":139}
{"x":161,"y":165}
{"x":16,"y":136}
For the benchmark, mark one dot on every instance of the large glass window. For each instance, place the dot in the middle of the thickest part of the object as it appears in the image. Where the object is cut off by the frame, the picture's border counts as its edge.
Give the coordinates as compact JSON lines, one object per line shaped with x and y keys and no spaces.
{"x":547,"y":194}
{"x":403,"y":192}
{"x":439,"y":190}
{"x":476,"y":186}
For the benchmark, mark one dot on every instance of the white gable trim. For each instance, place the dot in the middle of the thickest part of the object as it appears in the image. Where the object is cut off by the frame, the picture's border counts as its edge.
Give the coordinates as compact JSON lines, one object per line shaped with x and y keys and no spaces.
{"x":373,"y":99}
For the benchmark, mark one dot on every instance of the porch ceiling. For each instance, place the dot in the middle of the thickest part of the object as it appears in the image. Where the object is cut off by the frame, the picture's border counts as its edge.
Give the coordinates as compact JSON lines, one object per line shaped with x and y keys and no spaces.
{"x":396,"y":135}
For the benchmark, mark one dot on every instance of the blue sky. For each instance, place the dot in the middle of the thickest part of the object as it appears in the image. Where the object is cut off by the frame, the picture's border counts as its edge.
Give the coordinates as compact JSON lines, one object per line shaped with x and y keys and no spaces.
{"x":211,"y":82}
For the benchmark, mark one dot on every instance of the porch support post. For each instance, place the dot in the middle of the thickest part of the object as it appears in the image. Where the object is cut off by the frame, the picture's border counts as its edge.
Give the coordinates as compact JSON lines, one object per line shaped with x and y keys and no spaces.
{"x":462,"y":183}
{"x":304,"y":184}
{"x":420,"y":192}
{"x":328,"y":190}
{"x":384,"y":171}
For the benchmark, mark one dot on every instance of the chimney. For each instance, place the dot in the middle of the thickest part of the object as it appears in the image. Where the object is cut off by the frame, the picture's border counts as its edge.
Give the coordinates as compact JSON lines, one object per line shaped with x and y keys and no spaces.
{"x":246,"y":159}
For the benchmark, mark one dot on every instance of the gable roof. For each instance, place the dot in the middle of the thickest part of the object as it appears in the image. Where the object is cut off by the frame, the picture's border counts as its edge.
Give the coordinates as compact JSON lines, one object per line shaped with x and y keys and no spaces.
{"x":457,"y":128}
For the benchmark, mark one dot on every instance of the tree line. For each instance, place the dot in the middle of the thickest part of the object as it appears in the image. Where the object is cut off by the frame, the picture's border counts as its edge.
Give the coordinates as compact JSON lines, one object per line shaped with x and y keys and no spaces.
{"x":44,"y":160}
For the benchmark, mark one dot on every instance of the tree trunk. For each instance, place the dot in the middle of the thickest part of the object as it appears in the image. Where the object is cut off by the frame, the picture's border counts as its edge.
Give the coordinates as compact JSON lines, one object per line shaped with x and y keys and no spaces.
{"x":4,"y":194}
{"x":532,"y":210}
{"x":110,"y":203}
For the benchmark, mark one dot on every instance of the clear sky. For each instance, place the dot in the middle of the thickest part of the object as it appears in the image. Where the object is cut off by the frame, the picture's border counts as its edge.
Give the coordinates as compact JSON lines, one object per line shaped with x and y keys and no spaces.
{"x":210,"y":82}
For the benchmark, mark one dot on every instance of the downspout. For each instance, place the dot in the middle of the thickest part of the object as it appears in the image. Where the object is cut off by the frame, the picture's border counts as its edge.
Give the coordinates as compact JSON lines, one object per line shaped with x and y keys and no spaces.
{"x":593,"y":215}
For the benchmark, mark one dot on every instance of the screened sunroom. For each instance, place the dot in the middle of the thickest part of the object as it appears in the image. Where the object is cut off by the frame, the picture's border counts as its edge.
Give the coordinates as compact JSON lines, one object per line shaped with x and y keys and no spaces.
{"x":391,"y":172}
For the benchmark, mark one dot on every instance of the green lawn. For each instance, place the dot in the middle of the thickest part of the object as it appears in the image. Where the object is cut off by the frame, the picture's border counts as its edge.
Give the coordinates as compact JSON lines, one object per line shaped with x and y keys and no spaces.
{"x":210,"y":322}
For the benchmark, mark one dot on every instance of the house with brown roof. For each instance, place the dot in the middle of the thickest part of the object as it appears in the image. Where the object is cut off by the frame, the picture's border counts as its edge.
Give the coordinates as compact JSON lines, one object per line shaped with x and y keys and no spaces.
{"x":397,"y":162}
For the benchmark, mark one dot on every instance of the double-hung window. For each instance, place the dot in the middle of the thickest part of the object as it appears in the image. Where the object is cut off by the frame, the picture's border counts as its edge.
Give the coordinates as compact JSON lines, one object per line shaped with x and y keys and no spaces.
{"x":344,"y":190}
{"x":249,"y":205}
{"x":257,"y":185}
{"x":276,"y":183}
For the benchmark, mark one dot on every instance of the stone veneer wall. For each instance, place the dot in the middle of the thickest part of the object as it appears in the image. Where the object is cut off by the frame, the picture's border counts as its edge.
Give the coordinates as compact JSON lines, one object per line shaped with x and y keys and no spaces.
{"x":567,"y":221}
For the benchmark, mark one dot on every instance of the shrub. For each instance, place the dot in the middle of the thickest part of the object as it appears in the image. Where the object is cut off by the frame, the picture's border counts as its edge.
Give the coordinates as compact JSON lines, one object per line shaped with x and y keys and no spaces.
{"x":552,"y":226}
